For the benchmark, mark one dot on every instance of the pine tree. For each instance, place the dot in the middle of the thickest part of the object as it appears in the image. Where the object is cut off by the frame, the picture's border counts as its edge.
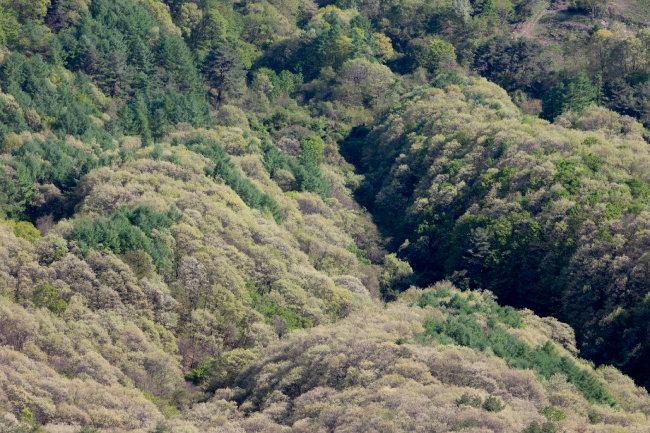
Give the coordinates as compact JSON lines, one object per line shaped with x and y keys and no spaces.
{"x":223,"y":71}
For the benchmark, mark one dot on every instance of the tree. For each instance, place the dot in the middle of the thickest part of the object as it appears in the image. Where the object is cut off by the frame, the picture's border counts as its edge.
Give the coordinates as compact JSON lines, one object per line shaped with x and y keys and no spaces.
{"x":433,"y":55}
{"x":33,"y":10}
{"x":223,"y":71}
{"x":189,"y":18}
{"x":594,"y":7}
{"x":193,"y":278}
{"x":66,"y":12}
{"x":9,"y":27}
{"x":140,"y":263}
{"x":49,"y":297}
{"x":397,"y":276}
{"x":312,"y":150}
{"x":600,"y":46}
{"x":462,"y":9}
{"x":210,"y":31}
{"x":571,"y":94}
{"x":512,"y":64}
{"x":384,"y":50}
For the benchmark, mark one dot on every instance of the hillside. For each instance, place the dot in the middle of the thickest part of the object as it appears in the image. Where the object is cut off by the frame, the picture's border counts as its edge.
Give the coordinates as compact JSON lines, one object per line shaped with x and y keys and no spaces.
{"x":423,"y":363}
{"x":547,"y":217}
{"x":216,"y":216}
{"x":551,"y":55}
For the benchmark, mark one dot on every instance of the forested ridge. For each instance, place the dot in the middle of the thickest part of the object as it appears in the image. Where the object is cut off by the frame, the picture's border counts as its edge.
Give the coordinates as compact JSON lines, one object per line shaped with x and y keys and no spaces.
{"x":315,"y":216}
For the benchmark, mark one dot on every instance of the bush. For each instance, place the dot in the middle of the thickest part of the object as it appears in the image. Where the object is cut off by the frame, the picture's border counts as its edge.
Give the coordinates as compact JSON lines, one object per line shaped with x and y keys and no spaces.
{"x":552,"y":414}
{"x":466,"y":424}
{"x":469,"y":400}
{"x":49,"y":297}
{"x":535,"y":427}
{"x":493,"y":404}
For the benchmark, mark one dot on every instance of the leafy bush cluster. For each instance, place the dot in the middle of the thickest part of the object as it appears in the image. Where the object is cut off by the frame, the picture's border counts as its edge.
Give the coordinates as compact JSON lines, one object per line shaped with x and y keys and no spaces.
{"x":240,"y":184}
{"x":127,"y":230}
{"x":491,"y":403}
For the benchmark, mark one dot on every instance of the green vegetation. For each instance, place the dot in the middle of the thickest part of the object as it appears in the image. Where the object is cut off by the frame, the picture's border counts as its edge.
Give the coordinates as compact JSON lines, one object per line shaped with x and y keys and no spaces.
{"x":214,"y":216}
{"x":40,"y":177}
{"x":545,"y":217}
{"x":241,"y":185}
{"x":128,"y":230}
{"x":304,"y":170}
{"x":462,"y":328}
{"x":535,"y":427}
{"x":491,"y":404}
{"x":552,"y":413}
{"x":49,"y":297}
{"x":279,"y":317}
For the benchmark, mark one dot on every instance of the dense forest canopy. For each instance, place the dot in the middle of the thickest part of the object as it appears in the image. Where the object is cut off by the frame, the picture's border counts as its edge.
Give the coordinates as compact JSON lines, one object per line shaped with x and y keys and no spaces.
{"x":546,"y":217}
{"x":294,"y":216}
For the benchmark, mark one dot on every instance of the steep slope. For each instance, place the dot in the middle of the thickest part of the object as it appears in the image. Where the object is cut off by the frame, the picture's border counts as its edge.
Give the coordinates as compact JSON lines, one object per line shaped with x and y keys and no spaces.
{"x":547,"y":217}
{"x":162,"y":269}
{"x":134,"y":270}
{"x":439,"y":358}
{"x":418,"y":365}
{"x":535,"y":49}
{"x":176,"y":218}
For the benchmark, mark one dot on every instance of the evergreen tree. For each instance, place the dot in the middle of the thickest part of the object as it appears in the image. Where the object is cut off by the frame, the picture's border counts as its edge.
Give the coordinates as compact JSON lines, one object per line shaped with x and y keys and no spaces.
{"x":223,"y":71}
{"x":572,"y":94}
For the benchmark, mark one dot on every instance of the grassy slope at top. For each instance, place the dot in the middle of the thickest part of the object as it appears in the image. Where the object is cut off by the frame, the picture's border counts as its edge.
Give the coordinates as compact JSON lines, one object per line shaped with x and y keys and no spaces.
{"x":534,"y":49}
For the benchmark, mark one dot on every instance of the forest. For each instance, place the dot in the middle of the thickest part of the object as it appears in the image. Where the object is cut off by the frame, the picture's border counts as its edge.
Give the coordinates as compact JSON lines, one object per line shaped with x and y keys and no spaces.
{"x":324,"y":216}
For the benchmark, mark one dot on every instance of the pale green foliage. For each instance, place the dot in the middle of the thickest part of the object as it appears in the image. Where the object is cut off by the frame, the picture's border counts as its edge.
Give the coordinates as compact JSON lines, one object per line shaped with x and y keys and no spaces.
{"x":396,"y":277}
{"x":462,"y":8}
{"x":366,"y":371}
{"x":28,"y":9}
{"x":138,"y":261}
{"x":116,"y":322}
{"x":190,"y":17}
{"x":434,"y":55}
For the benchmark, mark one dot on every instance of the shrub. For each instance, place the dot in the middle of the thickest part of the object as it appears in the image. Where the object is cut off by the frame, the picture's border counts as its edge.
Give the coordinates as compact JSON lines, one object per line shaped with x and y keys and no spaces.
{"x":594,"y":418}
{"x":49,"y":297}
{"x":552,"y":414}
{"x":493,"y":404}
{"x":466,"y":424}
{"x":469,"y":400}
{"x":535,"y":427}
